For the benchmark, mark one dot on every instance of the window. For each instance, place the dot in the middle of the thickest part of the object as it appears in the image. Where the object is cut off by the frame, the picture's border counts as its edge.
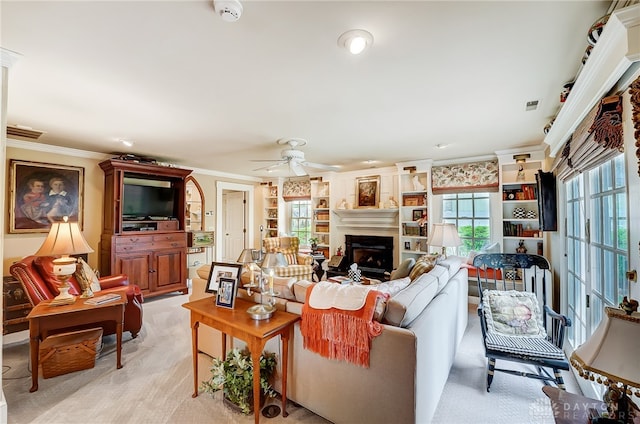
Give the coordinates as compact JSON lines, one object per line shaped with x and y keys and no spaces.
{"x":300,"y":220}
{"x":469,"y":212}
{"x":597,"y":258}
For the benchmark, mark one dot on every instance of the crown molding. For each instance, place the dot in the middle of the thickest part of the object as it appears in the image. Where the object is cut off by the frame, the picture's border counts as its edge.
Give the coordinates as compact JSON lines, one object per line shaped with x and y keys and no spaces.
{"x":615,"y":52}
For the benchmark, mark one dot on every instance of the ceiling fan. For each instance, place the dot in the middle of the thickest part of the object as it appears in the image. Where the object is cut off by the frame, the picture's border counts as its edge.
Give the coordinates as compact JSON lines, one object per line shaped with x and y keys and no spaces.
{"x":294,"y":158}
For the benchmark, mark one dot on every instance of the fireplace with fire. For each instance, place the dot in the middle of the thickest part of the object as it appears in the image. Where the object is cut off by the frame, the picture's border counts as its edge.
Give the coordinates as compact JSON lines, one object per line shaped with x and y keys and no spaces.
{"x":373,"y":254}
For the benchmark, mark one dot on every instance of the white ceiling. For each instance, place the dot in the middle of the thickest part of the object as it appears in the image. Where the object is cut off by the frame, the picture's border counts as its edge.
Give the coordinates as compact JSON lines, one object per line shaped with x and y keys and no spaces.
{"x":194,"y":90}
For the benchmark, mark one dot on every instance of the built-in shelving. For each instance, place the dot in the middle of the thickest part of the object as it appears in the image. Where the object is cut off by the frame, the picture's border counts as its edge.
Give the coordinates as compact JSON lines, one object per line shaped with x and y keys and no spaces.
{"x":413,"y":215}
{"x":321,"y":220}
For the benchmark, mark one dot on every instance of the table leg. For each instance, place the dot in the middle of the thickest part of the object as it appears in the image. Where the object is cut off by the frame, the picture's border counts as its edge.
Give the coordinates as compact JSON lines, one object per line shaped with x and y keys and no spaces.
{"x":119,"y":342}
{"x":224,"y":345}
{"x":34,"y":349}
{"x":285,"y":360}
{"x":194,"y":353}
{"x":255,"y":358}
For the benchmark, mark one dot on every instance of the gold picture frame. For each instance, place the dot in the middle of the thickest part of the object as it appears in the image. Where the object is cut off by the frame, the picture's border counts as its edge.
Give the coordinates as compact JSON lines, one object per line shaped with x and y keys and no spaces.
{"x":43,"y":193}
{"x":367,"y":192}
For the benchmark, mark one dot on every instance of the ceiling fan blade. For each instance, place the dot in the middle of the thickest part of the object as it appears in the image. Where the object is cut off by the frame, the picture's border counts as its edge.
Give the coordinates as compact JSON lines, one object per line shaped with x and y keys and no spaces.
{"x":297,"y":168}
{"x":268,"y":160}
{"x":272,"y":166}
{"x":319,"y":166}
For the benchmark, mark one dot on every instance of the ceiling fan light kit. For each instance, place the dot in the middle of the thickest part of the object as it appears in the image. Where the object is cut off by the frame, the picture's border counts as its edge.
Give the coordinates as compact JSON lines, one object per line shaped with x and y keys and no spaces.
{"x":356,"y":40}
{"x":228,"y":10}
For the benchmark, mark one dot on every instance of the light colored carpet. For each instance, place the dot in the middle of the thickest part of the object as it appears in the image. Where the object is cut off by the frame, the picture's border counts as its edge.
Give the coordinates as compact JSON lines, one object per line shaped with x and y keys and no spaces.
{"x":155,"y":384}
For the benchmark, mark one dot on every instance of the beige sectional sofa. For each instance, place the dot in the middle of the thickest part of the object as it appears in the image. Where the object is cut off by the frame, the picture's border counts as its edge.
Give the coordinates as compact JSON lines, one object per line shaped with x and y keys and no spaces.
{"x":423,"y":325}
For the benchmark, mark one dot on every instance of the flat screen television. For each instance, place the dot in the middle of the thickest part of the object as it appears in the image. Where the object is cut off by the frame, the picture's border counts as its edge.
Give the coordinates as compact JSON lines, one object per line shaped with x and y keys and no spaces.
{"x":148,"y":202}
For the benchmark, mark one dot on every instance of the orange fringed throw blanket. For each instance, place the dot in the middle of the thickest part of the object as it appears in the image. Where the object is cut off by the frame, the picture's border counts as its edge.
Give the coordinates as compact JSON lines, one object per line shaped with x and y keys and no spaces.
{"x":341,"y":334}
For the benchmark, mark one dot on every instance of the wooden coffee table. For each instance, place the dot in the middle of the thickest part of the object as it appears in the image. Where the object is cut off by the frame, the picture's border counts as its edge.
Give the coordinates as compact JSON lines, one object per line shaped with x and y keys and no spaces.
{"x":237,"y":323}
{"x":45,"y":318}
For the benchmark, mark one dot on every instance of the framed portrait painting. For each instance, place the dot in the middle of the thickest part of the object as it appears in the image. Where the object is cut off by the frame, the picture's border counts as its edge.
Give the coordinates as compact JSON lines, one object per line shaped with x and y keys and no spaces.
{"x":367,"y":192}
{"x":227,"y":290}
{"x":221,"y":270}
{"x":43,"y":193}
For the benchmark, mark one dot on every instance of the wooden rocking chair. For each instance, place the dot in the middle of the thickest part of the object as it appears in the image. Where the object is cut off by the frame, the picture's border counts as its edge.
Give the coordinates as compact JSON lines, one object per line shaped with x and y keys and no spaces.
{"x":515,"y":328}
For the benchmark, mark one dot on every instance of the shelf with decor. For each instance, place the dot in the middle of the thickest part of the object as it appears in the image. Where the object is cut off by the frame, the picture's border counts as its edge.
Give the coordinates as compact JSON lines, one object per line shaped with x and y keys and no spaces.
{"x":521,"y":232}
{"x":271,"y":211}
{"x":413,"y":219}
{"x":321,"y":216}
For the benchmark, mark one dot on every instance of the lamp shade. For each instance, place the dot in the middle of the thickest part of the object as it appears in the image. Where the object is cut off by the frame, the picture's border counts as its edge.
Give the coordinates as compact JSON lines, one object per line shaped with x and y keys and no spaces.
{"x":612,"y":351}
{"x":246,"y":256}
{"x":272,"y":260}
{"x":64,"y":238}
{"x":445,"y":235}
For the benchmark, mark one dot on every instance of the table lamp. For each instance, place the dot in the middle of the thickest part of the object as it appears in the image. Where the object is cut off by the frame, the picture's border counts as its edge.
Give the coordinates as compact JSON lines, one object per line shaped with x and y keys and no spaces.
{"x":64,"y":239}
{"x":248,"y":259}
{"x":610,"y":357}
{"x":444,"y":235}
{"x":265,"y":310}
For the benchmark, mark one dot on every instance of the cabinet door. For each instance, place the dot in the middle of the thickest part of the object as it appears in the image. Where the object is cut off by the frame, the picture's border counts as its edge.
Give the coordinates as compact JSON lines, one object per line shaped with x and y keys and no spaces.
{"x":168,"y":267}
{"x":136,"y":266}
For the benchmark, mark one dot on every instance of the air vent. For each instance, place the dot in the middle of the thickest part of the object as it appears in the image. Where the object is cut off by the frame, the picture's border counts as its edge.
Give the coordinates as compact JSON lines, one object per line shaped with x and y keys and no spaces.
{"x":531,"y":105}
{"x":24,"y":132}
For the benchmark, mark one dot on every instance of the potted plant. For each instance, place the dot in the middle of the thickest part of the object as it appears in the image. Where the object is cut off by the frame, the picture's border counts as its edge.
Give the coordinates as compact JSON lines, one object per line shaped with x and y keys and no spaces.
{"x":314,"y":242}
{"x":234,"y":375}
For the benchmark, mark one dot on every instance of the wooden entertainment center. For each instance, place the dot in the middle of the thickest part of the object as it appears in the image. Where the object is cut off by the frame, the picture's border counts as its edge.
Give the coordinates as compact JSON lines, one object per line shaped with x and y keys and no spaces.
{"x":151,"y":250}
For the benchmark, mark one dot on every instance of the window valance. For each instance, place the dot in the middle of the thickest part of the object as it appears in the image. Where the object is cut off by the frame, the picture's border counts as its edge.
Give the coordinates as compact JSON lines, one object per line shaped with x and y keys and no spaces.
{"x":597,"y":139}
{"x":469,"y":177}
{"x":296,"y":190}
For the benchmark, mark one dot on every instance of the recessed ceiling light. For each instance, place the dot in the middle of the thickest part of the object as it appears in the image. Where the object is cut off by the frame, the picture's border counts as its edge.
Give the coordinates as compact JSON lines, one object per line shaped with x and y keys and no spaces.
{"x":356,"y":40}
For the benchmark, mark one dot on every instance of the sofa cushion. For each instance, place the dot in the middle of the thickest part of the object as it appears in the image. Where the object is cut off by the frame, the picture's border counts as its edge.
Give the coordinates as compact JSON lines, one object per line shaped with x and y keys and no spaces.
{"x":407,"y":305}
{"x":442,"y":274}
{"x":403,"y":269}
{"x":452,"y":263}
{"x":512,"y":313}
{"x":391,"y":288}
{"x":420,"y":268}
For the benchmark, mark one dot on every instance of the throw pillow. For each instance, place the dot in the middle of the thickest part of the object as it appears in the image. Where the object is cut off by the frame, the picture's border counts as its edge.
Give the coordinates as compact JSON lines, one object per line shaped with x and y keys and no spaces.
{"x":512,"y":313}
{"x":472,"y":255}
{"x":403,"y":269}
{"x":420,"y":268}
{"x":491,"y":248}
{"x":291,"y":258}
{"x":90,"y":275}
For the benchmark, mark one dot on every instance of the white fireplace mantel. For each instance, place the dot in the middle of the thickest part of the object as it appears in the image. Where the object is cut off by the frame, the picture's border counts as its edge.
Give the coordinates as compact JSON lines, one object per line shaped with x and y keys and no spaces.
{"x":376,"y":219}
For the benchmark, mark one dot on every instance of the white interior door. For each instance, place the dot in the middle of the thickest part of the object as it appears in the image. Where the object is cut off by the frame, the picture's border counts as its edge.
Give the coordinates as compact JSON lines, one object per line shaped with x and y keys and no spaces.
{"x":234,"y":224}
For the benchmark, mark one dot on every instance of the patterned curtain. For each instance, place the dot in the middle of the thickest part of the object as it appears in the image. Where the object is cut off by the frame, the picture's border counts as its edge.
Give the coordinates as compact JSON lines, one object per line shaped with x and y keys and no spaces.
{"x":596,"y":140}
{"x":296,"y":190}
{"x":469,"y":177}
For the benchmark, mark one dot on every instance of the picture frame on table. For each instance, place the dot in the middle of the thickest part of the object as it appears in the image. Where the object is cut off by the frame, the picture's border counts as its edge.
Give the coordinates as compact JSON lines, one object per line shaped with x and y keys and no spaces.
{"x":367,"y":191}
{"x":227,"y":291}
{"x":221,"y":270}
{"x":43,"y":193}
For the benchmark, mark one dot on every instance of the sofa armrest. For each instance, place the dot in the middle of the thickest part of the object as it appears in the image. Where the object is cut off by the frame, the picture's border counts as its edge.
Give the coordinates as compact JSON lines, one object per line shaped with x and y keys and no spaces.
{"x":118,"y":280}
{"x":304,"y":259}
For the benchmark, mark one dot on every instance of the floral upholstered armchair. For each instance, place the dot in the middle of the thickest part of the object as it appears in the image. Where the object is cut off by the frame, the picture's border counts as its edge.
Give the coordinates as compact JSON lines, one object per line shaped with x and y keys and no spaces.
{"x":299,"y":265}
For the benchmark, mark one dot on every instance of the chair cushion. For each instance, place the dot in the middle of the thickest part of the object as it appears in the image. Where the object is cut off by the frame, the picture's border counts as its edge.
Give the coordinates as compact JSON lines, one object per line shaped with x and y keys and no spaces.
{"x":512,"y":313}
{"x":294,"y":271}
{"x":529,"y":346}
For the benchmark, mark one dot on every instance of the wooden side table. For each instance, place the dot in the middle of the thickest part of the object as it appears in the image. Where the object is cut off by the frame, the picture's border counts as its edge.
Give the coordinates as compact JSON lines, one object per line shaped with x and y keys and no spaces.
{"x":45,"y":318}
{"x":237,"y":323}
